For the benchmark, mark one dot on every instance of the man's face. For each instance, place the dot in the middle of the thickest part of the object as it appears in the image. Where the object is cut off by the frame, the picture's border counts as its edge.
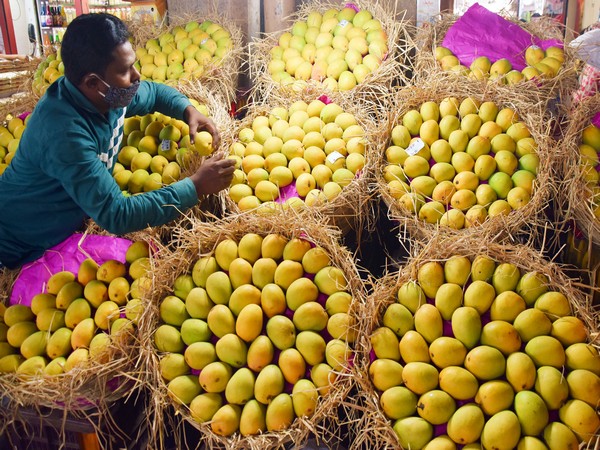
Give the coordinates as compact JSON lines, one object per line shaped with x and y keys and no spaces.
{"x":121,"y":71}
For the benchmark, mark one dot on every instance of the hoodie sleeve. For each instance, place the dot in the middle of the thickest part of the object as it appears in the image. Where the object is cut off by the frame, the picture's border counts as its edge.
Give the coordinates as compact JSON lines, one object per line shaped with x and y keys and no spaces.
{"x":85,"y":178}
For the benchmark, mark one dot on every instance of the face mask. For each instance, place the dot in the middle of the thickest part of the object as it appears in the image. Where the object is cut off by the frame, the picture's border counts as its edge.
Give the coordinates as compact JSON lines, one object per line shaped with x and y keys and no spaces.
{"x":118,"y":97}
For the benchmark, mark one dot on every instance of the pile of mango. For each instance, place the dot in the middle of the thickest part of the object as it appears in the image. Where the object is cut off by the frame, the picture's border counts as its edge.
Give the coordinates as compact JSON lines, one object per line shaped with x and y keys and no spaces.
{"x":458,"y":162}
{"x":185,"y":52}
{"x":479,"y":353}
{"x":255,"y":333}
{"x":155,"y":149}
{"x":47,"y":72}
{"x":10,"y":135}
{"x":541,"y":64}
{"x":315,"y":148}
{"x":74,"y":319}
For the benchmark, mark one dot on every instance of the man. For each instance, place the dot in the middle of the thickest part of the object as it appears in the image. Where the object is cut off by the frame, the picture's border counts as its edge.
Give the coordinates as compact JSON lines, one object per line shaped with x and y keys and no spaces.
{"x":62,"y":171}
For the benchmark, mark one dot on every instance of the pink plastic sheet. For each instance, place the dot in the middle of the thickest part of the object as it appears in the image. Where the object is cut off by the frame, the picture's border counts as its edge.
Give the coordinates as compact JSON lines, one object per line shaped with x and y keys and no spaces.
{"x":68,"y":255}
{"x":480,"y":32}
{"x":596,"y":120}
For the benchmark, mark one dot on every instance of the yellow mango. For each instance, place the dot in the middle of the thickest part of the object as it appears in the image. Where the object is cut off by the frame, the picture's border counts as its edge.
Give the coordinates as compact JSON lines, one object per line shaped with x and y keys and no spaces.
{"x":531,"y":323}
{"x":87,"y":271}
{"x":546,"y":351}
{"x":552,"y":386}
{"x":95,"y":292}
{"x":35,"y":344}
{"x":215,"y":376}
{"x":244,"y":295}
{"x":18,"y":313}
{"x":485,"y":362}
{"x":583,"y":356}
{"x":260,"y":353}
{"x":428,"y":322}
{"x":184,"y":388}
{"x":173,"y":365}
{"x":494,"y":396}
{"x":78,"y":358}
{"x":292,"y":365}
{"x":58,"y":280}
{"x":20,"y":331}
{"x":420,"y":377}
{"x":520,"y":371}
{"x":111,"y":269}
{"x":458,"y":382}
{"x":280,"y":413}
{"x":385,"y":344}
{"x":581,"y":418}
{"x":69,"y":292}
{"x":199,"y":354}
{"x":413,"y":432}
{"x":436,"y":406}
{"x":501,"y":335}
{"x":502,"y":431}
{"x":559,"y":436}
{"x":204,"y":406}
{"x":269,"y":384}
{"x":430,"y":277}
{"x":10,"y":363}
{"x":42,"y":301}
{"x":413,"y":347}
{"x":398,"y":402}
{"x":311,"y":346}
{"x":232,"y":350}
{"x":584,"y":385}
{"x":202,"y":269}
{"x":249,"y":247}
{"x":252,"y":419}
{"x":59,"y":343}
{"x":532,"y":412}
{"x":240,"y":387}
{"x":32,"y":366}
{"x":337,"y":354}
{"x":411,"y":295}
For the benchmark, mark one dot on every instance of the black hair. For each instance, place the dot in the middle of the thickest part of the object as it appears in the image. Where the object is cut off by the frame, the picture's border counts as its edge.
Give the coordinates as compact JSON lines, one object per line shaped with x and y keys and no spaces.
{"x":89,"y":42}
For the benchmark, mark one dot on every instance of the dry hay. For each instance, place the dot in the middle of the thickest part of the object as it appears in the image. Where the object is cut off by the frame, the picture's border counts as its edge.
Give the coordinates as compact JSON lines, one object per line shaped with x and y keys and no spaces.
{"x":575,"y":197}
{"x":198,"y":239}
{"x":430,"y":35}
{"x":16,"y":106}
{"x":16,"y":75}
{"x":528,"y":220}
{"x":396,"y":68}
{"x":374,"y":429}
{"x":351,"y":208}
{"x":84,"y":393}
{"x":222,"y":78}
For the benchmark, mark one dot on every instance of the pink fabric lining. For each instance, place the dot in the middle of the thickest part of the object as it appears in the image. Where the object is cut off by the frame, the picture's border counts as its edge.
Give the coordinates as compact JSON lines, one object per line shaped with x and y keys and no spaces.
{"x":68,"y":256}
{"x":480,"y":32}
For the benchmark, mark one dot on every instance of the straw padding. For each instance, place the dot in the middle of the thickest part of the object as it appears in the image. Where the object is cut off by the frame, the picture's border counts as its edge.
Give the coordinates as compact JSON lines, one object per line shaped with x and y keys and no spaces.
{"x":86,"y":392}
{"x":351,"y":208}
{"x":17,"y":105}
{"x":430,"y":35}
{"x":218,"y":78}
{"x":374,"y":429}
{"x":575,"y":195}
{"x":529,"y":218}
{"x":197,"y":239}
{"x":395,"y":69}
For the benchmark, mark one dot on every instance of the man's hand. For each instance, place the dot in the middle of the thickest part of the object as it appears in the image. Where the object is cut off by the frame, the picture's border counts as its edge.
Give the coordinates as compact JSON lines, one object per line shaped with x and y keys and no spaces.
{"x":214,"y":175}
{"x":198,"y":122}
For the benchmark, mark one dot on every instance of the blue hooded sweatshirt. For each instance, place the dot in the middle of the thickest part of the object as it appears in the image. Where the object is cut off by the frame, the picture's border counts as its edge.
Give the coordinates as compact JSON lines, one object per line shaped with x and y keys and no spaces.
{"x":61,"y":173}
